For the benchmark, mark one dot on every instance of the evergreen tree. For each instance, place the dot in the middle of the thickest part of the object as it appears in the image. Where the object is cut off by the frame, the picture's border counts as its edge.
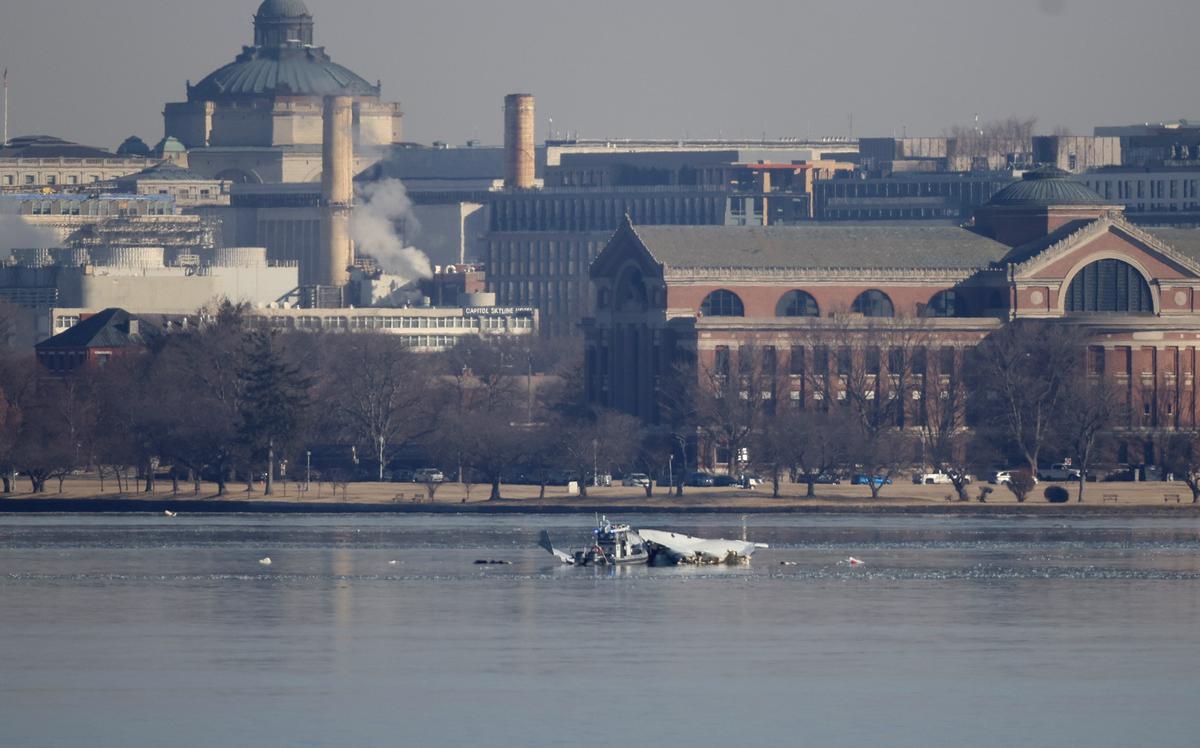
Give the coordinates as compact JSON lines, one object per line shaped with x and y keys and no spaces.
{"x":274,"y":400}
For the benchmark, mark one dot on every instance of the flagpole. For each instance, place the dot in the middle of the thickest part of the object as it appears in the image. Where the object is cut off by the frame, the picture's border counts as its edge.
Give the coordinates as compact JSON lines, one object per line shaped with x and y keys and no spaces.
{"x":5,"y":143}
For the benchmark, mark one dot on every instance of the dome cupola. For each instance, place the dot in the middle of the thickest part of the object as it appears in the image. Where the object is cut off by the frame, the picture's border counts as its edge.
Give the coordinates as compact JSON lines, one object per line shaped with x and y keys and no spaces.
{"x":280,"y":22}
{"x":1043,"y":201}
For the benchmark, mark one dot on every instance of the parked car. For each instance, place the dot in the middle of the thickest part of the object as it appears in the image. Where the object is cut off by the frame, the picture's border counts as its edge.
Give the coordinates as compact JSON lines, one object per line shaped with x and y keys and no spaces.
{"x":1058,"y":471}
{"x":749,"y":481}
{"x":862,"y":479}
{"x":700,"y":479}
{"x":1003,"y":477}
{"x":636,"y":479}
{"x":724,"y":481}
{"x":399,"y":475}
{"x":828,"y":479}
{"x":428,"y":475}
{"x":930,"y":479}
{"x":1134,"y":472}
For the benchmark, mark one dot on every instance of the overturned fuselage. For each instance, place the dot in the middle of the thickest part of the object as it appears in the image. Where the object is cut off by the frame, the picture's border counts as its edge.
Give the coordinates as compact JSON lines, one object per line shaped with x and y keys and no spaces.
{"x":677,"y":548}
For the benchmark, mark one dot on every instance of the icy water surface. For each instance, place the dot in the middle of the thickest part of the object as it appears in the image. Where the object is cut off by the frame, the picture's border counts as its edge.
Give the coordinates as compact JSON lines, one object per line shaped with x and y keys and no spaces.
{"x":148,"y":631}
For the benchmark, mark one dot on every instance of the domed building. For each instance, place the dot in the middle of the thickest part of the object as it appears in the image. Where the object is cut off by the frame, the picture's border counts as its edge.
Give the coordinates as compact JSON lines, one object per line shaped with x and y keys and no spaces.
{"x":258,"y":119}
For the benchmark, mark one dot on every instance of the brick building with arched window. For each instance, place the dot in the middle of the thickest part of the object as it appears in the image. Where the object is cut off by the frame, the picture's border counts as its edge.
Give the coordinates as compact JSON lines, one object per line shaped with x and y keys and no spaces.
{"x":1045,"y":247}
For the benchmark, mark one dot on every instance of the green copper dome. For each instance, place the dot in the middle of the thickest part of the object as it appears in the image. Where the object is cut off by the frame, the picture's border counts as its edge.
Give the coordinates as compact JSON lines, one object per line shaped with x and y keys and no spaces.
{"x":282,"y":62}
{"x":281,"y":71}
{"x":1045,"y":187}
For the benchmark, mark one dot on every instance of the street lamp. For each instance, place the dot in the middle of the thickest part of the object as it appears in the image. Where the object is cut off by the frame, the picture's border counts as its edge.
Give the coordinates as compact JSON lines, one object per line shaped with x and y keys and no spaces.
{"x":670,"y":473}
{"x":595,"y":464}
{"x":307,"y":469}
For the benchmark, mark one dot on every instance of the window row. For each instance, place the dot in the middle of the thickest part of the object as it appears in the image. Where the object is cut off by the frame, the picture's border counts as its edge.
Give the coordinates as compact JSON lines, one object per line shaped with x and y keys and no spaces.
{"x":872,"y":303}
{"x":310,"y":322}
{"x":840,"y":360}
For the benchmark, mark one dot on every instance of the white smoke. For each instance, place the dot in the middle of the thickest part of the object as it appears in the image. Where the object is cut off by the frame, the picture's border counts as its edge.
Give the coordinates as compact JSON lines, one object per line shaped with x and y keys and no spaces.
{"x":18,"y":233}
{"x":381,"y":207}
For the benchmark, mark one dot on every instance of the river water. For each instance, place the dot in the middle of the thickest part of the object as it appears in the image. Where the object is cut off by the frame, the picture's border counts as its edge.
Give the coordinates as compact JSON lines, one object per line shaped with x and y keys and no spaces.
{"x":147,"y":631}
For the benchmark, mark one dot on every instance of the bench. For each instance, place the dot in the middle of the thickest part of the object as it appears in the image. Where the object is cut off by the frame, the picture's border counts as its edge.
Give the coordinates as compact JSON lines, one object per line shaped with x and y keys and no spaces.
{"x":1170,"y":497}
{"x":1109,"y":497}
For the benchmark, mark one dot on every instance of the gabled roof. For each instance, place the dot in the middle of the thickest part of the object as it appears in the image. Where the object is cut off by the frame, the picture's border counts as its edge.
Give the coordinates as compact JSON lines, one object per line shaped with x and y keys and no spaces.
{"x":1184,"y":241}
{"x":818,"y":247}
{"x":1077,"y":233}
{"x":107,"y":329}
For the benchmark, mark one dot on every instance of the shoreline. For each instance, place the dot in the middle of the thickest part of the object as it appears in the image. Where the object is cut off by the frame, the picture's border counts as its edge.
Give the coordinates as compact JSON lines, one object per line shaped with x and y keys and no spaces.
{"x":110,"y":505}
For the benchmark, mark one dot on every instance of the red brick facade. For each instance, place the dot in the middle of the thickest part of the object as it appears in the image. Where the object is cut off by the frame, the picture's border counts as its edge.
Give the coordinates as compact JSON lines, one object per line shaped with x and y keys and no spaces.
{"x":649,"y":312}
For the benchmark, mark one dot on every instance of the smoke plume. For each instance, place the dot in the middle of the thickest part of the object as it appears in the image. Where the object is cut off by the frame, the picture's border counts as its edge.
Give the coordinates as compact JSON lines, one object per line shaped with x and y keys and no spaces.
{"x":18,"y":233}
{"x":381,"y":207}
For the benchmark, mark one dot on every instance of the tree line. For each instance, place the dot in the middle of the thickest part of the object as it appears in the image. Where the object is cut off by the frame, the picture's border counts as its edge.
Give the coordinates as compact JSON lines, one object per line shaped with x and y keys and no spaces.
{"x":233,"y":400}
{"x":880,"y":397}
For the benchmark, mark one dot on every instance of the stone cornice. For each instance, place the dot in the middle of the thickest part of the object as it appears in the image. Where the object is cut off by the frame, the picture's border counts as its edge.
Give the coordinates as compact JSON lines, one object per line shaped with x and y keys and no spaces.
{"x":780,"y":275}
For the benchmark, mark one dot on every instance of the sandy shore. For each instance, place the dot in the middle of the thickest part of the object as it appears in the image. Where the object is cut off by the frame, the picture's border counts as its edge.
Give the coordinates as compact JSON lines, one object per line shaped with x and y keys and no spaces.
{"x":86,"y":494}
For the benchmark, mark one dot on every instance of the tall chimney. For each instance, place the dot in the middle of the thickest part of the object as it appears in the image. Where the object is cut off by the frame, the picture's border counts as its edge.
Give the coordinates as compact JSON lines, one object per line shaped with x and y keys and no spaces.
{"x":519,"y":152}
{"x":337,"y":192}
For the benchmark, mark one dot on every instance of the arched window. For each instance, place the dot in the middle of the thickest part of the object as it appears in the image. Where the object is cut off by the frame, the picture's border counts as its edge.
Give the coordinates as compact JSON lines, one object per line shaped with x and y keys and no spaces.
{"x":797,"y":304}
{"x":873,"y":304}
{"x":1109,"y":286}
{"x":722,"y":304}
{"x":948,"y":303}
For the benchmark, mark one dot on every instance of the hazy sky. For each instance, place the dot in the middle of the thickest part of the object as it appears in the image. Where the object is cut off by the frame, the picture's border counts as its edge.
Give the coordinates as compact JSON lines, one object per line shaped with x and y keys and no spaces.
{"x":98,"y":71}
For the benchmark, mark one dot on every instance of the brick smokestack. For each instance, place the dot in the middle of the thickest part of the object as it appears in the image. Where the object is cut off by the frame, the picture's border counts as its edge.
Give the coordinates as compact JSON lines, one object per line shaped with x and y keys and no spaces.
{"x":337,"y":192}
{"x":519,"y":150}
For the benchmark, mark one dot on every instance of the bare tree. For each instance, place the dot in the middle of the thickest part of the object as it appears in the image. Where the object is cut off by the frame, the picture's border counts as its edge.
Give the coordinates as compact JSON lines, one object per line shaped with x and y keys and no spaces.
{"x":200,"y":403}
{"x":46,"y":443}
{"x":866,"y":370}
{"x":777,"y":446}
{"x":1182,"y":458}
{"x":1018,"y":379}
{"x":732,"y":398}
{"x":945,"y":438}
{"x":18,"y":377}
{"x":822,"y":446}
{"x":484,"y":441}
{"x":1090,"y":409}
{"x":600,"y":441}
{"x":678,"y":413}
{"x":992,"y":142}
{"x":378,"y":392}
